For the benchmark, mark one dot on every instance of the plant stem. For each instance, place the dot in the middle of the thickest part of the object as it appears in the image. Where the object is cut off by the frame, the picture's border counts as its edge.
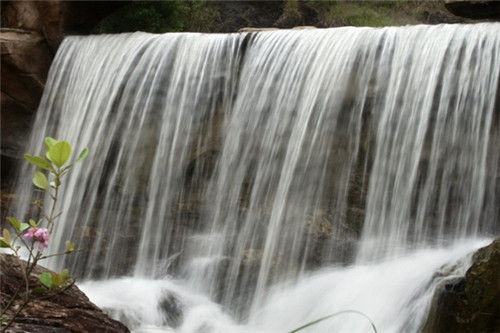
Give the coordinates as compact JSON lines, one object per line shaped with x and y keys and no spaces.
{"x":33,"y":259}
{"x":334,"y":315}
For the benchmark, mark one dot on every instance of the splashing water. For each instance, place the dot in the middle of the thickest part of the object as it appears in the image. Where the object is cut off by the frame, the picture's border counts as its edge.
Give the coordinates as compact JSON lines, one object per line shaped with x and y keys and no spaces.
{"x":395,"y":294}
{"x":237,"y":164}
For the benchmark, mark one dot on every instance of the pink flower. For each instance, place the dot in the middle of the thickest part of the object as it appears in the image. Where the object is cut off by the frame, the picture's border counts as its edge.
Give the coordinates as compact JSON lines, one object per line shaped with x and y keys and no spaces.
{"x":40,"y":235}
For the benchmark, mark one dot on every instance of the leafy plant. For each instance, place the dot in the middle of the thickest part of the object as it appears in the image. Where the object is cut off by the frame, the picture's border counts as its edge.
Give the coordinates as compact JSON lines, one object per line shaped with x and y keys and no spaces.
{"x":34,"y":236}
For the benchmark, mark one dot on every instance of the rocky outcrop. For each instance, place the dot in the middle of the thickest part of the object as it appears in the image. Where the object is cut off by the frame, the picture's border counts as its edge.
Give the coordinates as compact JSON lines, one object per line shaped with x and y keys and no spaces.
{"x":470,"y":303}
{"x":26,"y":59}
{"x":55,"y":19}
{"x":70,"y":311}
{"x":30,"y":35}
{"x":25,"y":62}
{"x":474,"y":9}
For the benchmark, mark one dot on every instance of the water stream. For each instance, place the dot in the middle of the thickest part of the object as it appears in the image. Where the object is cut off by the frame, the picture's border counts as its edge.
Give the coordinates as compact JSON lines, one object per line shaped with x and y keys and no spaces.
{"x":255,"y":181}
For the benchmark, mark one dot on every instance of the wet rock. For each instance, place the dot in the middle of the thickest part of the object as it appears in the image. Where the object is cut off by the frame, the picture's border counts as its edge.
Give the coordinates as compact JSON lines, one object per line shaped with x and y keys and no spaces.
{"x":172,"y":310}
{"x":470,"y":303}
{"x":251,"y":29}
{"x":70,"y":311}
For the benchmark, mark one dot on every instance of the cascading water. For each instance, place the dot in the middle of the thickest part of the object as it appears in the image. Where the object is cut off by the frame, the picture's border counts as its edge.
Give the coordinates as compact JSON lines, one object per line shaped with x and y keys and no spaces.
{"x":225,"y":168}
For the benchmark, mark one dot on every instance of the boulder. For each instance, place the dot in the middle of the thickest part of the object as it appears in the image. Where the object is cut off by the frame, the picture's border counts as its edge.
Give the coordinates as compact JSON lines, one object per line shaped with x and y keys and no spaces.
{"x":470,"y":303}
{"x":55,"y":19}
{"x":25,"y":61}
{"x":474,"y":9}
{"x":30,"y":35}
{"x":21,"y":15}
{"x":70,"y":311}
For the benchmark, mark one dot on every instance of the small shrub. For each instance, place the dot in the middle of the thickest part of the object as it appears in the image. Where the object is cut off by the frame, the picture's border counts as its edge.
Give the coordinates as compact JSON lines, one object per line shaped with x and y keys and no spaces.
{"x":35,"y":235}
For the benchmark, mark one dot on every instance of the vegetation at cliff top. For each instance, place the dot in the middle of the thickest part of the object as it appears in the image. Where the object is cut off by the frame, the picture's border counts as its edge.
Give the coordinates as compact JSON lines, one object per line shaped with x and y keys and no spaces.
{"x":159,"y":16}
{"x":227,"y":16}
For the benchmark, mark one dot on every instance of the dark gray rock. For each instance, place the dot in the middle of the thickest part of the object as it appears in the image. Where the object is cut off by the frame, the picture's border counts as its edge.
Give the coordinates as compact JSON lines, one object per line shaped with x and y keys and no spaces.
{"x":474,"y":9}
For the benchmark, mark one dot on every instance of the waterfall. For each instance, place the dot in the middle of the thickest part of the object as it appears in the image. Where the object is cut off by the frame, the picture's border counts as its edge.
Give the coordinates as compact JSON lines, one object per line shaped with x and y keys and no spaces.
{"x":235,"y":165}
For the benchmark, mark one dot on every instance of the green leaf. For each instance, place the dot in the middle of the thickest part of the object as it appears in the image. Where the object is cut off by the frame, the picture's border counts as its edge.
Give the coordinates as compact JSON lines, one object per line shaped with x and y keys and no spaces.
{"x":33,"y":223}
{"x":59,"y":153}
{"x":57,"y":280}
{"x":46,"y":279}
{"x":24,"y":226}
{"x":65,"y":274}
{"x":15,"y":223}
{"x":49,"y":142}
{"x":6,"y":235}
{"x":3,"y":243}
{"x":82,"y":155}
{"x":40,"y":290}
{"x":70,"y":246}
{"x":39,"y":162}
{"x":40,"y":180}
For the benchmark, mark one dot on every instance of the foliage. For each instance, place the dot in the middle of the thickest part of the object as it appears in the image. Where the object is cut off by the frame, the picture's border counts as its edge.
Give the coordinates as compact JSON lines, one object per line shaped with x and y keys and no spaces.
{"x":291,"y":14}
{"x":160,"y":16}
{"x":334,"y":13}
{"x":354,"y":14}
{"x":200,"y":16}
{"x":149,"y":16}
{"x":35,"y":235}
{"x":215,"y":16}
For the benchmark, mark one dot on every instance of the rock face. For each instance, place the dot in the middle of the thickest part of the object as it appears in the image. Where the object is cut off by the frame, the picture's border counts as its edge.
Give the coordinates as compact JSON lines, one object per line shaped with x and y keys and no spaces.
{"x":474,"y":9}
{"x":26,"y":59}
{"x":70,"y":311}
{"x":54,"y":19}
{"x":470,"y":303}
{"x":30,"y":34}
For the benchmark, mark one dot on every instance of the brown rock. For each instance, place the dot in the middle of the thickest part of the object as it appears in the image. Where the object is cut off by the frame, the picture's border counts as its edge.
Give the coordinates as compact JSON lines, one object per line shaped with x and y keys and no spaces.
{"x":70,"y":311}
{"x":44,"y":17}
{"x":54,"y":19}
{"x":21,"y":15}
{"x":30,"y":35}
{"x":25,"y":61}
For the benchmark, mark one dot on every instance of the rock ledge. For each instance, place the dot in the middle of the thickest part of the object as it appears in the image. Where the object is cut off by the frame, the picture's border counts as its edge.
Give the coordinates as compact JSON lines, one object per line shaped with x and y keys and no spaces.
{"x":70,"y":311}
